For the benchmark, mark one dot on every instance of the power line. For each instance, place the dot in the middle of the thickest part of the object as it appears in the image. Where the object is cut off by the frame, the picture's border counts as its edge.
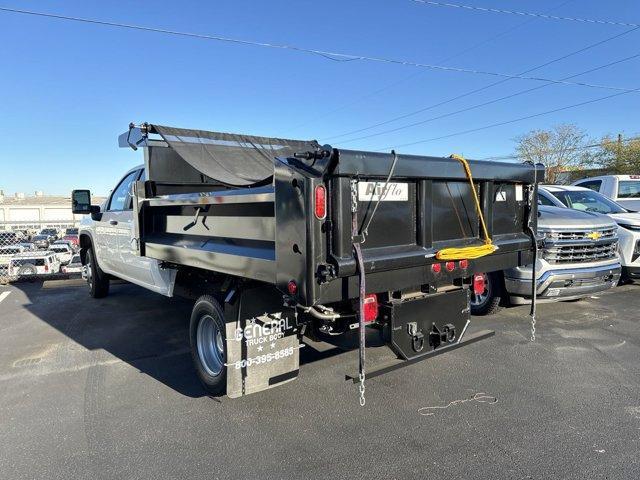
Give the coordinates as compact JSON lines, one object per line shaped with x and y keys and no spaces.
{"x":337,"y":56}
{"x":490,"y":102}
{"x":486,"y":87}
{"x":527,"y":14}
{"x":414,"y":75}
{"x":507,"y":122}
{"x":583,"y":147}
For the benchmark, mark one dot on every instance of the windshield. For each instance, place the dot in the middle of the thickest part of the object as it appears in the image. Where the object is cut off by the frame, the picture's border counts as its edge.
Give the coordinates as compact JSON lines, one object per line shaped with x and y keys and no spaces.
{"x":75,"y":259}
{"x":71,"y":231}
{"x":629,"y":189}
{"x":588,"y":201}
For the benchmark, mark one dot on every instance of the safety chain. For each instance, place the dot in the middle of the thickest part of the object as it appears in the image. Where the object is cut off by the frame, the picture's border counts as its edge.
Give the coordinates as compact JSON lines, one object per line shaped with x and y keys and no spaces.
{"x":360,"y":264}
{"x":534,"y":286}
{"x":354,"y":196}
{"x":533,"y":328}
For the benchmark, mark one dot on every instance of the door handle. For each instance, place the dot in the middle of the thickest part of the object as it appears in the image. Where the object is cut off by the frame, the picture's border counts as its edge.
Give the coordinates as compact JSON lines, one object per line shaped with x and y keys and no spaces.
{"x":113,"y":222}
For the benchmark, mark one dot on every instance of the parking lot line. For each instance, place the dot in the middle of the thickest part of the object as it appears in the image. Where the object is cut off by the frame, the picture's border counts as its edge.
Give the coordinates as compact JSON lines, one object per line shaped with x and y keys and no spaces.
{"x":4,"y":295}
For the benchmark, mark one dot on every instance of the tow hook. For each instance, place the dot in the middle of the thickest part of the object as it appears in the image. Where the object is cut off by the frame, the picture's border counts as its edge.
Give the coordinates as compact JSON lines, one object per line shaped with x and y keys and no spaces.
{"x":417,"y":337}
{"x":437,"y":337}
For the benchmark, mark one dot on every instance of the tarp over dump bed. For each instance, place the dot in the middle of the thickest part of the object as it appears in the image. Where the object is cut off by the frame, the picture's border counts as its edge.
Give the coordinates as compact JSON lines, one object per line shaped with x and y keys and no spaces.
{"x":230,"y":158}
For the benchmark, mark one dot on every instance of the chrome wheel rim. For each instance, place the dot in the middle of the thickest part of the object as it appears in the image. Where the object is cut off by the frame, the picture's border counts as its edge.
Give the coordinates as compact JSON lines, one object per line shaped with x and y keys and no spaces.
{"x":87,"y":273}
{"x":480,"y":299}
{"x":210,"y":346}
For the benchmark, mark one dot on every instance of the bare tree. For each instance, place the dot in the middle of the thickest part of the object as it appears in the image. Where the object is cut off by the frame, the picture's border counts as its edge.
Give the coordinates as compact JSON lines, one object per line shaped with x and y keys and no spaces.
{"x":559,"y":149}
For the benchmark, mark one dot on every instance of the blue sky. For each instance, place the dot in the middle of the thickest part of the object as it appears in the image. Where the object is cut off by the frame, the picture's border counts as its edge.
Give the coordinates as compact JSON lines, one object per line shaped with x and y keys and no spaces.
{"x":68,"y":89}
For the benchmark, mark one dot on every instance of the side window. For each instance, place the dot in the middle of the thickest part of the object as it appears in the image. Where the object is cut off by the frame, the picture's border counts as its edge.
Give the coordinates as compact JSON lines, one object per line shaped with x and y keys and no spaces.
{"x":591,"y":184}
{"x":121,"y":196}
{"x":543,"y":200}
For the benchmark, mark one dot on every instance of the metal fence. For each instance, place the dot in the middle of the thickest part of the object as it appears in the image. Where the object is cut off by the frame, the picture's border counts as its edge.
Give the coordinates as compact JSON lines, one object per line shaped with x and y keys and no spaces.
{"x":31,"y":250}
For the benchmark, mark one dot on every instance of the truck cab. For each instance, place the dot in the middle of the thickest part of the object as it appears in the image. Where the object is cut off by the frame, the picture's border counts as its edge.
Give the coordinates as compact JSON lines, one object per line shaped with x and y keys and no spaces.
{"x":112,"y":234}
{"x":624,"y":189}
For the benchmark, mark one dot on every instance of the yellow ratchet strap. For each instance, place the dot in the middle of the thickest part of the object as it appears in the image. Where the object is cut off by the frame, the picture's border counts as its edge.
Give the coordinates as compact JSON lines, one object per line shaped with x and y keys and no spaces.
{"x":474,"y":251}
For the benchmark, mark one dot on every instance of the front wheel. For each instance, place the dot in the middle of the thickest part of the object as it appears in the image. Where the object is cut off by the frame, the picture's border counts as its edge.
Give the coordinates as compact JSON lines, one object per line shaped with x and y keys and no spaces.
{"x":97,"y":280}
{"x":488,"y":302}
{"x":208,"y":349}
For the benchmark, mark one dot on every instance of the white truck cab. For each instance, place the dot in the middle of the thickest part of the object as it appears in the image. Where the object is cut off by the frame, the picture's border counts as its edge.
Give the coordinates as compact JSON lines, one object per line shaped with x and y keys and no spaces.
{"x":624,"y":189}
{"x":112,"y":235}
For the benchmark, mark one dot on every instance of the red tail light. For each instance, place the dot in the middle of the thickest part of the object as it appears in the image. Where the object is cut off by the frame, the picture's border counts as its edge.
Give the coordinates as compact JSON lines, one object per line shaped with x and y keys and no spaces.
{"x":464,"y":264}
{"x":370,"y":307}
{"x":46,"y":268}
{"x":450,"y":266}
{"x":320,"y":205}
{"x":292,"y":287}
{"x":478,"y":284}
{"x":436,"y":267}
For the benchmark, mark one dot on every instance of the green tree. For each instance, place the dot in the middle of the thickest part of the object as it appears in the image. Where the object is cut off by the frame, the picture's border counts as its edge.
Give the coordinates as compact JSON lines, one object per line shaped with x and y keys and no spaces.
{"x":620,"y":156}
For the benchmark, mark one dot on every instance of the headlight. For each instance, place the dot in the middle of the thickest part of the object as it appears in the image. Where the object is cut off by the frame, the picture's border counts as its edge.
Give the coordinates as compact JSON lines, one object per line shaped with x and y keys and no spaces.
{"x":633,"y":228}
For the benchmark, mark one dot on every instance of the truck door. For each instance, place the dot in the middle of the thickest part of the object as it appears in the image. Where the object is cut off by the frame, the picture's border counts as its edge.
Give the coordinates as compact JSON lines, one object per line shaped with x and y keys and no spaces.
{"x":109,"y":228}
{"x":132,"y":266}
{"x":127,"y":263}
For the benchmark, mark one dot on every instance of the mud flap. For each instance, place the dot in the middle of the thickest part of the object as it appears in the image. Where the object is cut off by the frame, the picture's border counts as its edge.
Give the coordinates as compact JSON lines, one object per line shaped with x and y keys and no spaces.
{"x":263,"y":349}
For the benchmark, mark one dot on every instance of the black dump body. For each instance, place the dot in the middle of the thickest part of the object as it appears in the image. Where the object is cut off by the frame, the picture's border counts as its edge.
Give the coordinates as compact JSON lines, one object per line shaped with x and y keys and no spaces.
{"x":244,"y":206}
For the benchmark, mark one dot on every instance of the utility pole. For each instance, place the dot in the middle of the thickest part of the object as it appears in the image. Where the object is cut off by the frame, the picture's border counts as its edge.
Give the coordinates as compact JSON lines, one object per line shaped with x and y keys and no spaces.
{"x":619,"y":155}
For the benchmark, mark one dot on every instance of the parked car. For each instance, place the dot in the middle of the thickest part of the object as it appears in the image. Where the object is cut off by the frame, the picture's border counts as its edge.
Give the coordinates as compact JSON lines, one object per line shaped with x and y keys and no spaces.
{"x":34,"y":263}
{"x":74,"y":266}
{"x":70,"y":243}
{"x":71,"y":234}
{"x":10,"y":237}
{"x":42,"y":241}
{"x":578,"y":257}
{"x":584,"y":199}
{"x":624,"y":189}
{"x":52,"y":233}
{"x":63,"y":251}
{"x":6,"y":252}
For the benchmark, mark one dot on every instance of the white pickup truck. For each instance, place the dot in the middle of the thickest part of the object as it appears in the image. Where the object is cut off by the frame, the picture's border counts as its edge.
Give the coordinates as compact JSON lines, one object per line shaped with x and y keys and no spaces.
{"x":624,"y":189}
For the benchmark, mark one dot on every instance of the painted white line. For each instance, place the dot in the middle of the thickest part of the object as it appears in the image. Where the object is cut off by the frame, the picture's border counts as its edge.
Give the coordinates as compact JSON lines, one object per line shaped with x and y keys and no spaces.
{"x":4,"y":295}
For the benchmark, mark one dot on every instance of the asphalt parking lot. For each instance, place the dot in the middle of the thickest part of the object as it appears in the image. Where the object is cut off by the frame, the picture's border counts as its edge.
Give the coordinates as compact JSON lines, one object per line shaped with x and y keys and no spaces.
{"x":105,"y":389}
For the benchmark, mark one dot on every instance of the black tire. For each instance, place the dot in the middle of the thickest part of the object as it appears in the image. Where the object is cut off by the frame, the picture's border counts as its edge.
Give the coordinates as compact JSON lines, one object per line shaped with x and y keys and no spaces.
{"x":208,"y":350}
{"x":97,"y":280}
{"x":492,"y":298}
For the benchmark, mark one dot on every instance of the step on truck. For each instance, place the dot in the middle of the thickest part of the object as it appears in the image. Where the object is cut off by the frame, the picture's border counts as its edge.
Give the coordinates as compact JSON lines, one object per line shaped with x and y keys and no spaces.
{"x":279,"y":241}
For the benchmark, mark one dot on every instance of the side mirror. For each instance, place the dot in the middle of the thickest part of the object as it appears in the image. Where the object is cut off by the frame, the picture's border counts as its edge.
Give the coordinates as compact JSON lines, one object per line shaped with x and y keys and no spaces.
{"x":81,"y":202}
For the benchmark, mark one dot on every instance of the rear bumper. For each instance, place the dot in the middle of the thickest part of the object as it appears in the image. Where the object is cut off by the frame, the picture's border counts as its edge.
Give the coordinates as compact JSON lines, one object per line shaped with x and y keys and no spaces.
{"x":566,"y":284}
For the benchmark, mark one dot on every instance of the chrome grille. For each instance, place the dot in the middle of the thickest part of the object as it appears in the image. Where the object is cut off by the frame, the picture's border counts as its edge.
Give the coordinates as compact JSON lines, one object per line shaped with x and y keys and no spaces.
{"x":580,"y":245}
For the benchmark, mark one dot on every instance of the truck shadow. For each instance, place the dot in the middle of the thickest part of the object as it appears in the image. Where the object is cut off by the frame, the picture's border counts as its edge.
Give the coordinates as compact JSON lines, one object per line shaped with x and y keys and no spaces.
{"x":148,"y":331}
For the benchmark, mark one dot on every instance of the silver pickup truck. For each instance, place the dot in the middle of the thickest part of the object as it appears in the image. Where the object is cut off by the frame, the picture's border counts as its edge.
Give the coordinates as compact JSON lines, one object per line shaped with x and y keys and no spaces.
{"x":578,"y":257}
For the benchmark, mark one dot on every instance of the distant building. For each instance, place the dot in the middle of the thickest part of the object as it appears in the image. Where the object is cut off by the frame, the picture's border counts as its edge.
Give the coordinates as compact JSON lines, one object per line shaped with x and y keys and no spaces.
{"x":37,"y":210}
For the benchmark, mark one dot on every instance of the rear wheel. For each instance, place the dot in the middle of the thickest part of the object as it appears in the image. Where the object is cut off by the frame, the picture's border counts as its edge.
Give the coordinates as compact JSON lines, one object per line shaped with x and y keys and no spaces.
{"x":208,"y":350}
{"x":488,"y":302}
{"x":96,"y":279}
